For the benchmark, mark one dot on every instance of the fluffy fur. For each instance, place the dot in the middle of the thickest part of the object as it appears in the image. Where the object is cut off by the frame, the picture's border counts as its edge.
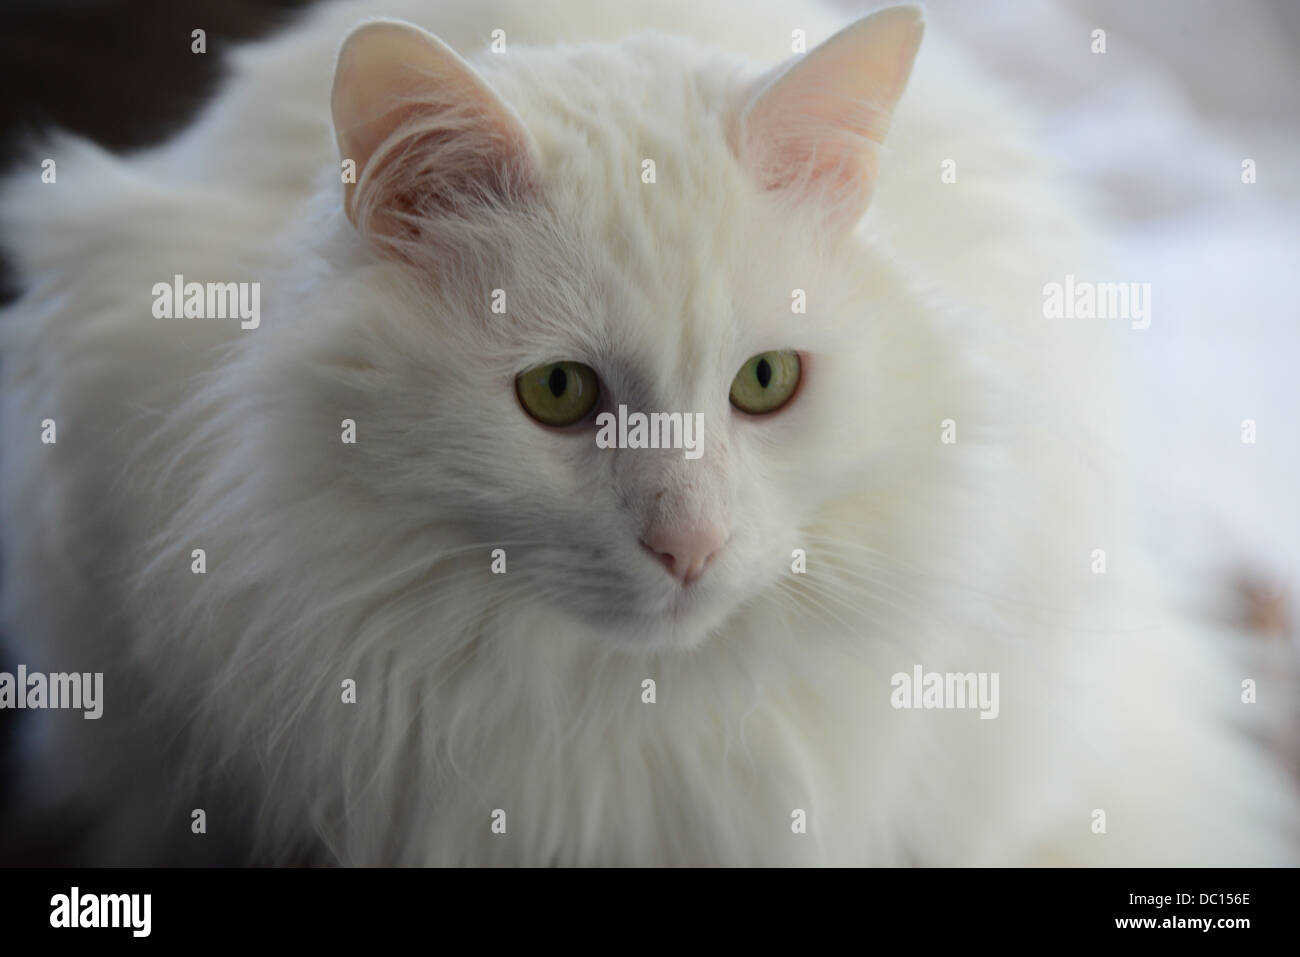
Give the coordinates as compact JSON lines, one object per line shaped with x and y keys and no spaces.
{"x":523,"y":692}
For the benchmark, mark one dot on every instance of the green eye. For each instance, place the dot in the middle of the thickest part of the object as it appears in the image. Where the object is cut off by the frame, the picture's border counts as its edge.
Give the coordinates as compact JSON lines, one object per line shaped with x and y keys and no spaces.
{"x":766,"y":382}
{"x":558,"y":393}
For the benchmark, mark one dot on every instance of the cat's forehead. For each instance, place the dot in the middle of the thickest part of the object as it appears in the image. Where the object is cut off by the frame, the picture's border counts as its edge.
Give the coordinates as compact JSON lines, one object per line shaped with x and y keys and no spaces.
{"x":682,"y":258}
{"x":645,"y":123}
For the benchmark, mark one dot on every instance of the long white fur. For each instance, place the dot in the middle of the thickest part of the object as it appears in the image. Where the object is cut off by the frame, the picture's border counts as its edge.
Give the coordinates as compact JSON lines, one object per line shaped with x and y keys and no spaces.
{"x":523,"y":692}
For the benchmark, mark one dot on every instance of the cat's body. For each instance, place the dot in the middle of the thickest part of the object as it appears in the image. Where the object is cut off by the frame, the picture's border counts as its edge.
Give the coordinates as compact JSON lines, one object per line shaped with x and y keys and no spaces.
{"x":525,"y":692}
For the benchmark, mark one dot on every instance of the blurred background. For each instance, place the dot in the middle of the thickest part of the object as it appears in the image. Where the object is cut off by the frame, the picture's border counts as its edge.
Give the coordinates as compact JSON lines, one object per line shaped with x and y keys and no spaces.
{"x":1154,"y":131}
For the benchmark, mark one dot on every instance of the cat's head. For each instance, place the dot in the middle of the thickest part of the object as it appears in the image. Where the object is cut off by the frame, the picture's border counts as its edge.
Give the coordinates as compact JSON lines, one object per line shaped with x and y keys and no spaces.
{"x":557,"y":235}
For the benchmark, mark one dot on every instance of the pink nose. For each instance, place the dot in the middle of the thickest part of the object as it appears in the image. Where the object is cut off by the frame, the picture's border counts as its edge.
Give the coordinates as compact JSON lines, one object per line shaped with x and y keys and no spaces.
{"x":685,"y":551}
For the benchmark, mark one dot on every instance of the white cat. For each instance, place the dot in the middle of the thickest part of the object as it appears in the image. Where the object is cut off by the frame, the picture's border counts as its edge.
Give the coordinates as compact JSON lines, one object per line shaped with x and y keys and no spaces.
{"x":432,"y":621}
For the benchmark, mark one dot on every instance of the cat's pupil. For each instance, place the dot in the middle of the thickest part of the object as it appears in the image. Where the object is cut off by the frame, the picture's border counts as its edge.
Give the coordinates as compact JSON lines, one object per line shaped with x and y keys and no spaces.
{"x":763,"y":372}
{"x":557,"y":382}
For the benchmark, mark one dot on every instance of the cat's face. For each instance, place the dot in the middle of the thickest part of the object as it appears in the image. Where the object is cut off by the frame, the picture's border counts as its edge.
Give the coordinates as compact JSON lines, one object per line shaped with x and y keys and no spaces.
{"x":605,"y":288}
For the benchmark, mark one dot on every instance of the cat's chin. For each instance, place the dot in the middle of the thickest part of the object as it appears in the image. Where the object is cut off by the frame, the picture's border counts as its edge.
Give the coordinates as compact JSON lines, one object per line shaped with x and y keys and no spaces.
{"x":665,"y":636}
{"x":682,"y":625}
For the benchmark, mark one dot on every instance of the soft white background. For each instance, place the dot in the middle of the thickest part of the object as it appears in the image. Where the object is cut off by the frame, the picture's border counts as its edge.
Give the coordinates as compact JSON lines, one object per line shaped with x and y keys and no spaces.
{"x":1156,"y":130}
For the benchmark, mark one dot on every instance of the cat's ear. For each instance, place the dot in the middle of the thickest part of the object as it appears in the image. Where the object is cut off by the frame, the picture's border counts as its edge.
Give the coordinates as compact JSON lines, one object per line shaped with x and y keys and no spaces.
{"x":424,"y":133}
{"x":813,"y":128}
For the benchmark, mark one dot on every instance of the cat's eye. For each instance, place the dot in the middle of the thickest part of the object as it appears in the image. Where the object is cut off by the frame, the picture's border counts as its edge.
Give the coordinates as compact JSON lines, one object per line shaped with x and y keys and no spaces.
{"x":766,"y":382}
{"x":558,"y":393}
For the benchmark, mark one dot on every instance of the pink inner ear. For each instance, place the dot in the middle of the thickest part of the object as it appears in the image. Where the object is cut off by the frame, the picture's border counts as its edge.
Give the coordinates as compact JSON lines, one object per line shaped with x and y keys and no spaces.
{"x":814,"y":129}
{"x":443,"y":157}
{"x":427,"y":134}
{"x":802,"y":150}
